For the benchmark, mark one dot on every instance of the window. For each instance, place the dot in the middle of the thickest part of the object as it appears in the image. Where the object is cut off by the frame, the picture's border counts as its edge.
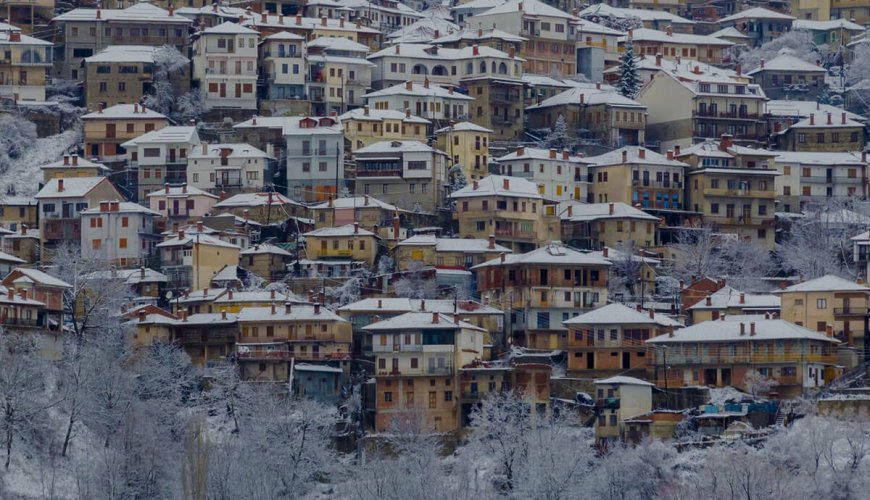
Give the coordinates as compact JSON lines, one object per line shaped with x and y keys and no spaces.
{"x":388,"y":397}
{"x":821,"y":303}
{"x":448,"y":395}
{"x":122,"y":243}
{"x":125,"y":221}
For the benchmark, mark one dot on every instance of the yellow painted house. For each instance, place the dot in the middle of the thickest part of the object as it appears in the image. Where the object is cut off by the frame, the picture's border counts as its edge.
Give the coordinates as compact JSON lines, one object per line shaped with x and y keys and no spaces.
{"x":466,"y":144}
{"x":345,"y":242}
{"x":191,"y":260}
{"x":364,"y":127}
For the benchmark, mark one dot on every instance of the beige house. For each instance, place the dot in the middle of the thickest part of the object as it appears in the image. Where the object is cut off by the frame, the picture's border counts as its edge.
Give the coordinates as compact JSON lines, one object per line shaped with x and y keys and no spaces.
{"x":26,"y":62}
{"x":265,"y":260}
{"x":344,"y":242}
{"x":511,"y":208}
{"x":467,"y":145}
{"x":364,"y":127}
{"x":823,"y":133}
{"x":559,"y":175}
{"x":599,"y":225}
{"x":830,"y":305}
{"x":72,"y":166}
{"x":190,"y":261}
{"x":618,"y":399}
{"x":106,"y":129}
{"x":639,"y":177}
{"x":446,"y":253}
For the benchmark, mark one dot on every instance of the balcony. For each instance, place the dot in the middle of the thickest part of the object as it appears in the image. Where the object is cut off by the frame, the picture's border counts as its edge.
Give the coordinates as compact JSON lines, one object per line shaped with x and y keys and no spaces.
{"x":515,"y":233}
{"x":850,"y":311}
{"x":829,"y":179}
{"x":612,"y":403}
{"x":739,"y":193}
{"x":265,"y":355}
{"x":379,"y":173}
{"x":727,"y":116}
{"x":19,"y":322}
{"x":398,"y":348}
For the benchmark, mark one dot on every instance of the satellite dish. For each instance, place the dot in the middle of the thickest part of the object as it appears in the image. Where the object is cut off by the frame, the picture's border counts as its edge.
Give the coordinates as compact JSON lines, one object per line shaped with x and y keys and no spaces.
{"x":168,"y":295}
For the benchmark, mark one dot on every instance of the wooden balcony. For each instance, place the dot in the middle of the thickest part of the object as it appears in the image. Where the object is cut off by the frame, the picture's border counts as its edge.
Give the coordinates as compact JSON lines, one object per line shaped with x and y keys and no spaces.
{"x":740,"y":193}
{"x":850,"y":311}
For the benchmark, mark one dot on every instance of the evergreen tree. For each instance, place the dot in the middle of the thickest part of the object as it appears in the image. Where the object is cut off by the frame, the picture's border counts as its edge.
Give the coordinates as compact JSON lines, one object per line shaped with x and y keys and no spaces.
{"x":825,"y":95}
{"x":558,"y":136}
{"x":629,"y":81}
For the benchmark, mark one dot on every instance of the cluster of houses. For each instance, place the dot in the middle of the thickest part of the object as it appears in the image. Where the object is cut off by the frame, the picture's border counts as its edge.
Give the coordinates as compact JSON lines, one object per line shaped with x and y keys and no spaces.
{"x":440,"y":199}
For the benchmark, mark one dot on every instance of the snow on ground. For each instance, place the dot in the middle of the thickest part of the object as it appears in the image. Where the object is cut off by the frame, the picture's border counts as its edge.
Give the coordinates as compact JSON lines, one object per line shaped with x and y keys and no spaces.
{"x":719,"y":395}
{"x":24,"y":173}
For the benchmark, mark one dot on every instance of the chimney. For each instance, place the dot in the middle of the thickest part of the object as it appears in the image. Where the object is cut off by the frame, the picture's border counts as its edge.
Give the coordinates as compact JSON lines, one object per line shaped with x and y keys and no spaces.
{"x":166,"y":188}
{"x":426,"y":82}
{"x":358,"y":23}
{"x":676,"y":150}
{"x":475,"y":50}
{"x":491,"y":241}
{"x":423,"y":305}
{"x":752,"y":329}
{"x":521,"y":150}
{"x":181,"y":234}
{"x":520,"y":6}
{"x":611,"y":208}
{"x":725,"y":142}
{"x":141,"y":316}
{"x":60,"y":185}
{"x":742,"y":328}
{"x":298,"y":19}
{"x":582,"y":99}
{"x":437,"y":36}
{"x":709,"y":301}
{"x":670,"y":154}
{"x":102,"y":107}
{"x":65,"y":160}
{"x":104,"y":206}
{"x":455,"y":319}
{"x":396,"y":227}
{"x":565,"y":154}
{"x":273,"y":308}
{"x":380,"y":304}
{"x":638,"y":307}
{"x":22,"y":292}
{"x":329,"y":202}
{"x":552,"y":154}
{"x":341,"y":22}
{"x":287,"y":307}
{"x":512,"y":52}
{"x":474,"y":185}
{"x":434,"y":317}
{"x":624,"y":156}
{"x":356,"y":228}
{"x":280,"y":18}
{"x":829,"y":119}
{"x":652,"y":314}
{"x":597,"y":85}
{"x":184,"y":188}
{"x":366,"y":200}
{"x":230,"y":294}
{"x":317,"y":308}
{"x":75,"y":160}
{"x":682,"y":284}
{"x":762,"y":63}
{"x":670,"y":30}
{"x":323,"y":21}
{"x":135,"y":107}
{"x":224,"y":312}
{"x":739,"y":70}
{"x":272,"y":294}
{"x":843,"y":118}
{"x":409,"y":85}
{"x":742,"y":298}
{"x":722,"y":318}
{"x":659,"y":59}
{"x":397,"y":48}
{"x":782,"y":285}
{"x":184,"y":315}
{"x":812,"y":118}
{"x":777,"y":127}
{"x":99,"y":14}
{"x":502,"y":257}
{"x":199,"y":226}
{"x":863,"y":156}
{"x":605,"y":252}
{"x":570,"y":210}
{"x":829,"y":330}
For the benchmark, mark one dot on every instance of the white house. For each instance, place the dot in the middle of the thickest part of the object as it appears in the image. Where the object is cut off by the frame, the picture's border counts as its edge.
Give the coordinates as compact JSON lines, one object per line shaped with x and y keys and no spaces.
{"x":339,"y":74}
{"x":559,"y":175}
{"x":182,"y":203}
{"x":160,"y":157}
{"x":125,"y":232}
{"x":227,"y":167}
{"x":284,"y":66}
{"x":225,"y":64}
{"x":315,"y":157}
{"x":423,"y":99}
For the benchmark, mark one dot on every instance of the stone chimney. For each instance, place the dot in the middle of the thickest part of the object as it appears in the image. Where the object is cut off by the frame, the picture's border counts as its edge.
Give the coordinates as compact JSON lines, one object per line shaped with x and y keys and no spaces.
{"x":434,"y":317}
{"x":491,"y":241}
{"x":317,"y":308}
{"x":355,"y":228}
{"x":521,"y":150}
{"x":611,"y":208}
{"x":742,"y":298}
{"x":762,"y":63}
{"x":670,"y":154}
{"x":60,"y":185}
{"x":409,"y":85}
{"x":552,"y":154}
{"x":366,"y":200}
{"x":474,"y":185}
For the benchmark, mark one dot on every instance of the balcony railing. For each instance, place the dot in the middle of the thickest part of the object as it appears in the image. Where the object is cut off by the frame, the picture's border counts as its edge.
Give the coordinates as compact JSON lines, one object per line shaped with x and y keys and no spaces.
{"x":850,"y":311}
{"x":726,"y":358}
{"x":607,"y":403}
{"x":514,"y":233}
{"x":740,"y":193}
{"x":378,"y":173}
{"x":835,"y":179}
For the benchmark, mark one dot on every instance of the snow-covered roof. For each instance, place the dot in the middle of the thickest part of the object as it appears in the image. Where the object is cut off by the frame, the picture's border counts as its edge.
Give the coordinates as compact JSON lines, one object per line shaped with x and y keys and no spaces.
{"x":418,"y":90}
{"x":816,"y":158}
{"x":357,"y":202}
{"x":327,"y":58}
{"x":250,"y":200}
{"x":729,"y":32}
{"x":538,"y":154}
{"x":587,"y":212}
{"x":710,"y":148}
{"x":422,"y":30}
{"x":382,"y":114}
{"x":396,"y":147}
{"x":285,"y":35}
{"x":605,"y":10}
{"x":785,"y":108}
{"x":478,"y":34}
{"x":41,"y":278}
{"x":499,"y":185}
{"x":420,"y":321}
{"x":651,"y":35}
{"x":126,"y":53}
{"x":463,"y":127}
{"x":622,"y":380}
{"x":827,"y":283}
{"x":298,"y":312}
{"x":235,"y":150}
{"x":206,"y":295}
{"x":307,"y":367}
{"x":829,"y":25}
{"x":345,"y":230}
{"x":588,"y":97}
{"x":139,"y":12}
{"x":633,"y":157}
{"x":202,"y":239}
{"x":290,"y":125}
{"x":528,"y":8}
{"x":787,"y":62}
{"x":427,"y":51}
{"x":263,"y":249}
{"x":5,"y":257}
{"x":728,"y":297}
{"x":342,"y":44}
{"x":554,"y":253}
{"x":229,"y":28}
{"x":166,"y":135}
{"x":404,"y":304}
{"x":79,"y":163}
{"x":73,"y":187}
{"x":225,"y":274}
{"x":129,"y":276}
{"x":756,"y":13}
{"x":124,"y":207}
{"x":728,"y":330}
{"x":126,"y":112}
{"x":208,"y":319}
{"x":620,"y":314}
{"x":818,"y":121}
{"x":464,"y":245}
{"x":181,"y":192}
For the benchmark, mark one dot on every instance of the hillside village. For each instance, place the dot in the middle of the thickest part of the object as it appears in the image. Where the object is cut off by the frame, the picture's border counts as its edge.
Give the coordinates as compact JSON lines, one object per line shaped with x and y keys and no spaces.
{"x":608,"y":234}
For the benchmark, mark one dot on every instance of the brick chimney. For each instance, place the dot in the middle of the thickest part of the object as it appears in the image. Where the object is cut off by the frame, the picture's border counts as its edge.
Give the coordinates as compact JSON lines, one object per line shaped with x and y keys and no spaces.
{"x":812,"y":118}
{"x":611,"y":208}
{"x":829,"y":119}
{"x":426,"y":82}
{"x":565,"y":154}
{"x":409,"y":85}
{"x":396,"y":227}
{"x":708,"y":301}
{"x":829,"y":330}
{"x":65,"y":160}
{"x":624,"y":156}
{"x":552,"y":154}
{"x":570,"y":210}
{"x":641,"y":153}
{"x":670,"y":154}
{"x":75,"y":159}
{"x":506,"y":183}
{"x":512,"y":52}
{"x":491,"y":241}
{"x":742,"y":298}
{"x":605,"y":252}
{"x":398,"y":50}
{"x":141,"y":316}
{"x":323,"y":21}
{"x":739,"y":70}
{"x":434,"y":317}
{"x":725,"y":142}
{"x":762,"y":63}
{"x":60,"y":185}
{"x":184,"y":188}
{"x":181,"y":234}
{"x":843,"y":118}
{"x":659,"y":59}
{"x":752,"y":329}
{"x":298,"y":19}
{"x":521,"y":150}
{"x":652,"y":314}
{"x":502,"y":257}
{"x":272,"y":294}
{"x":380,"y":304}
{"x":742,"y":328}
{"x":104,"y":206}
{"x":366,"y":200}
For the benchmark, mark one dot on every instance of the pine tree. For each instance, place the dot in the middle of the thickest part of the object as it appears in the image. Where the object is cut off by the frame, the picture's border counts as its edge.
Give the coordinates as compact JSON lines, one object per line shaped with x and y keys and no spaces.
{"x":629,"y":81}
{"x":558,"y":136}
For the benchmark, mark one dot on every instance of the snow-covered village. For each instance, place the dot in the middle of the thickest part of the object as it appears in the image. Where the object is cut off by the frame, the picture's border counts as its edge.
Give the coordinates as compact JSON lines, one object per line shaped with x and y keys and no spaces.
{"x":434,"y":249}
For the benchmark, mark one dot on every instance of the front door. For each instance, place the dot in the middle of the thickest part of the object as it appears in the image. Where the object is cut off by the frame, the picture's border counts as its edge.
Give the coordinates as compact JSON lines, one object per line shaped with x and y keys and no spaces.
{"x":171,"y":155}
{"x":174,"y":207}
{"x":238,"y":90}
{"x":626,"y":360}
{"x":223,"y":90}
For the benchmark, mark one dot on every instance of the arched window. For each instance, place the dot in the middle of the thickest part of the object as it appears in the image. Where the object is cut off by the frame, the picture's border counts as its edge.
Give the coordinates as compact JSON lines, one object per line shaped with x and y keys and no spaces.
{"x":502,"y":69}
{"x":419,"y":69}
{"x":469,"y":69}
{"x":439,"y":71}
{"x":483,"y":66}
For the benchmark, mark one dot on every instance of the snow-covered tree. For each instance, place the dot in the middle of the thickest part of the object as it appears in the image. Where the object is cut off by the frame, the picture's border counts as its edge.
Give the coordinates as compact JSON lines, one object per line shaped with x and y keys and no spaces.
{"x":796,"y":43}
{"x":819,"y":243}
{"x":758,"y":384}
{"x":558,"y":136}
{"x":17,"y":134}
{"x":627,"y":269}
{"x":629,"y":82}
{"x":164,"y":96}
